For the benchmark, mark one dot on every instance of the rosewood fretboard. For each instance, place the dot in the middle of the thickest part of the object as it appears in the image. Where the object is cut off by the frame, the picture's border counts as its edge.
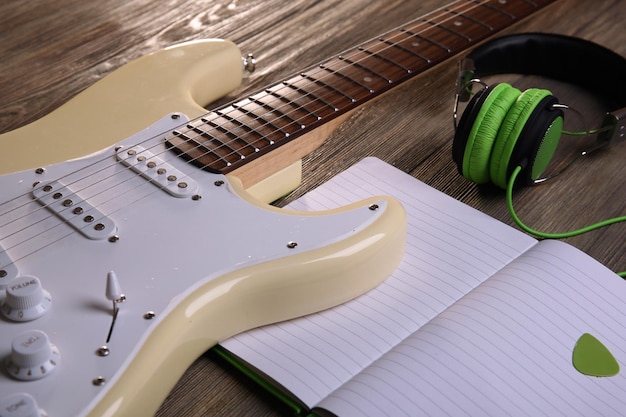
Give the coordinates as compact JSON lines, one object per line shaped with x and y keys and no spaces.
{"x":227,"y":138}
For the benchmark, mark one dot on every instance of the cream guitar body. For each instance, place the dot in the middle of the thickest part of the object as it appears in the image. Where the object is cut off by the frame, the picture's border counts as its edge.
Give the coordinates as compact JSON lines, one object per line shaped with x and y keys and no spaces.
{"x":121,"y":262}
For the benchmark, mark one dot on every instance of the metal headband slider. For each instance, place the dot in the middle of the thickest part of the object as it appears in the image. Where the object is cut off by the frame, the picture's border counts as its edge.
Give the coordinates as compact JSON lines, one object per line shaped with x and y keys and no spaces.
{"x":613,"y":127}
{"x":466,"y":74}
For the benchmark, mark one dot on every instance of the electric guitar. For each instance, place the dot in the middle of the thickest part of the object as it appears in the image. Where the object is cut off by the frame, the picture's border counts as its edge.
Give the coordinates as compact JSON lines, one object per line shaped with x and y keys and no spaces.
{"x":135,"y":230}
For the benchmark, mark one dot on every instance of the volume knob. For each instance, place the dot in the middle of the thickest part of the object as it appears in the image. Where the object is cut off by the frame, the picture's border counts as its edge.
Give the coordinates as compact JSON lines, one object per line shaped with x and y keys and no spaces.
{"x":25,"y":299}
{"x":32,"y":356}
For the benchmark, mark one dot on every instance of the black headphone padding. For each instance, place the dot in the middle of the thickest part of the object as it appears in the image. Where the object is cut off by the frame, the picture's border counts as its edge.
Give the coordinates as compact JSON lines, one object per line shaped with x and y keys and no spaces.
{"x":573,"y":60}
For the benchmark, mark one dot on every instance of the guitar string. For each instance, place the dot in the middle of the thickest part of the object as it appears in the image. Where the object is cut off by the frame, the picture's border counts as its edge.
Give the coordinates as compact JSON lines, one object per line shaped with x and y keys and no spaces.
{"x":314,"y":95}
{"x":425,"y":23}
{"x":312,"y":92}
{"x":429,"y":25}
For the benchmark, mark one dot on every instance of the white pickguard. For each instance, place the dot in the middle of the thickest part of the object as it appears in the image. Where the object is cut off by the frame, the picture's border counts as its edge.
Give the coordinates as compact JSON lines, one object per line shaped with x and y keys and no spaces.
{"x":174,"y":257}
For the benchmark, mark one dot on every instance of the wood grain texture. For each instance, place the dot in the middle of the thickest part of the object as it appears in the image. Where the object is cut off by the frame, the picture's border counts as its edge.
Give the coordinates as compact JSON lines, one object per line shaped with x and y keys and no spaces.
{"x":52,"y":50}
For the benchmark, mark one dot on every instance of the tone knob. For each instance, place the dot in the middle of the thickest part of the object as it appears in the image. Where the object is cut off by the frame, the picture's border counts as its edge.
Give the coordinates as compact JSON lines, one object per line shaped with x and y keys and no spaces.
{"x":32,"y":356}
{"x":25,"y":299}
{"x":20,"y":405}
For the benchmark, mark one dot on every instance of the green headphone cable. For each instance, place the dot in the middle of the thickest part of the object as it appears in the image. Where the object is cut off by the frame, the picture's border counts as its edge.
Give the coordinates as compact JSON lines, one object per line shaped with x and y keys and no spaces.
{"x":562,"y":235}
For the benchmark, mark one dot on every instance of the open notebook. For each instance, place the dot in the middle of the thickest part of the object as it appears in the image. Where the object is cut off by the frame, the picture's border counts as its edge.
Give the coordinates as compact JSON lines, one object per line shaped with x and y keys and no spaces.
{"x":479,"y":319}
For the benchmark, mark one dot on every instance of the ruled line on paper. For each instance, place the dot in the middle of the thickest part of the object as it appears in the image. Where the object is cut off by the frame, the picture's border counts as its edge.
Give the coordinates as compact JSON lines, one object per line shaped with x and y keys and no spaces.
{"x":451,"y":248}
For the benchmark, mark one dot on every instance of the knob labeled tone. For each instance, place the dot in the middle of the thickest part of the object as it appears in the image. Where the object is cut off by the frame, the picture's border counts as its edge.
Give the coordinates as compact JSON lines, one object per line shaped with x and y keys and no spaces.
{"x":32,"y":356}
{"x":20,"y":405}
{"x":25,"y":299}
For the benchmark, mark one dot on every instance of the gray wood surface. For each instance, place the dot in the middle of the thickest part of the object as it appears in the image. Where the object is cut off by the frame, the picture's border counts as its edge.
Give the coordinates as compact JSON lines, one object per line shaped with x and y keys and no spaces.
{"x":51,"y":50}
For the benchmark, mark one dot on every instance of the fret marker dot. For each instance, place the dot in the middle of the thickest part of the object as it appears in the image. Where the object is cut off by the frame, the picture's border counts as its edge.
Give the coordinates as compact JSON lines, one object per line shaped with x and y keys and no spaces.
{"x":415,"y":43}
{"x":367,"y":79}
{"x":458,"y":23}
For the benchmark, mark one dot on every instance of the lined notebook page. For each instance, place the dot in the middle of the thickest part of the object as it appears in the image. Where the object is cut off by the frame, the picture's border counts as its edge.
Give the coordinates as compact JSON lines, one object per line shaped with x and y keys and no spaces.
{"x":506,"y":348}
{"x":451,"y":249}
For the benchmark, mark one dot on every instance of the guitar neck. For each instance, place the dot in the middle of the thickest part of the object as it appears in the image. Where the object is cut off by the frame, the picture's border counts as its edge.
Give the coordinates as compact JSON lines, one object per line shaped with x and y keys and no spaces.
{"x":227,"y":138}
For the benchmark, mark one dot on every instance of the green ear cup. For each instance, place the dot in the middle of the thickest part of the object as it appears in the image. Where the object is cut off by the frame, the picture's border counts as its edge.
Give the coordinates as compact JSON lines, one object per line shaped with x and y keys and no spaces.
{"x":510,"y":132}
{"x":546,"y":148}
{"x":484,"y":131}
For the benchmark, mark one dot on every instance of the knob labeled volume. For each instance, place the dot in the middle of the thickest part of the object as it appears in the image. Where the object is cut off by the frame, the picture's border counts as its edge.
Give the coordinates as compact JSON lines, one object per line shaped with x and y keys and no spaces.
{"x":20,"y":405}
{"x":32,"y":356}
{"x":25,"y":299}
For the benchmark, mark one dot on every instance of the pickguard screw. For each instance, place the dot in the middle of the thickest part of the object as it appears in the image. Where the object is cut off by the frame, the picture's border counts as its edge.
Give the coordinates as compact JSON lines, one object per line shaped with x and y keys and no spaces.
{"x":175,"y":116}
{"x":149,"y":315}
{"x":373,"y":207}
{"x":99,"y":381}
{"x":114,"y":238}
{"x":3,"y":273}
{"x":292,"y":245}
{"x":218,"y":183}
{"x":196,"y":197}
{"x":40,"y":171}
{"x":103,"y":351}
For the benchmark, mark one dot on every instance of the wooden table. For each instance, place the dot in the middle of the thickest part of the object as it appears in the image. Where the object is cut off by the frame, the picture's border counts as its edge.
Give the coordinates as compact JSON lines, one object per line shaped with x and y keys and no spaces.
{"x":51,"y":50}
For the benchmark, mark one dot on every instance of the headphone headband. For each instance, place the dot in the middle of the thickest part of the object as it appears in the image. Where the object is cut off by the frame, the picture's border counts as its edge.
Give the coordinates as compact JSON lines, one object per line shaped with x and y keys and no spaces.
{"x":560,"y":57}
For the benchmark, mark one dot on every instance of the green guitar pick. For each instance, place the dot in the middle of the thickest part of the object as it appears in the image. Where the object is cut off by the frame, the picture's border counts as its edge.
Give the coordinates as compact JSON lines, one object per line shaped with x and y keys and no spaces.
{"x":592,"y":358}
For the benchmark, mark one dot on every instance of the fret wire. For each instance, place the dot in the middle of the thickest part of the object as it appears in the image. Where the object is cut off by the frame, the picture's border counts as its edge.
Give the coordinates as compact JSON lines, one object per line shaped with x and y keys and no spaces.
{"x":260,"y":135}
{"x":329,"y":87}
{"x":403,"y":48}
{"x":433,"y":12}
{"x":483,"y":4}
{"x":449,"y":30}
{"x":269,"y":122}
{"x":280,"y":113}
{"x":431,"y":41}
{"x":244,"y":126}
{"x":228,"y":132}
{"x":478,"y":22}
{"x":257,"y":117}
{"x":306,"y":110}
{"x":308,"y":95}
{"x":189,"y":139}
{"x":433,"y":24}
{"x":496,"y":9}
{"x":364,"y":68}
{"x":347,"y":78}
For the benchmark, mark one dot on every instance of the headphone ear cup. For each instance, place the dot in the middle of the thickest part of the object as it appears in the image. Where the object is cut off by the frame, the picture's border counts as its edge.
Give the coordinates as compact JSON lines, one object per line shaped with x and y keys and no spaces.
{"x":528,"y":137}
{"x":478,"y":129}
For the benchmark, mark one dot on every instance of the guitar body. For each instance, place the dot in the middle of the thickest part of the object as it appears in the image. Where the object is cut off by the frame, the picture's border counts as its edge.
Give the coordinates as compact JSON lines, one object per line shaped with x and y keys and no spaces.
{"x":181,"y":78}
{"x":197,"y":257}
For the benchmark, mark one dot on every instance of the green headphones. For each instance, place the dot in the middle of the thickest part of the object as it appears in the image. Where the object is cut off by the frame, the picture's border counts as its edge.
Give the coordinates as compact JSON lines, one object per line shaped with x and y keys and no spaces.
{"x":503,"y":128}
{"x":505,"y":135}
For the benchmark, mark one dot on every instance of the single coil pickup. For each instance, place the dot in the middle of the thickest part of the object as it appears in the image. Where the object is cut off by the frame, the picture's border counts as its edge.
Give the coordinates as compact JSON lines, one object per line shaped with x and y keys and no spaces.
{"x":75,"y":211}
{"x":157,"y":171}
